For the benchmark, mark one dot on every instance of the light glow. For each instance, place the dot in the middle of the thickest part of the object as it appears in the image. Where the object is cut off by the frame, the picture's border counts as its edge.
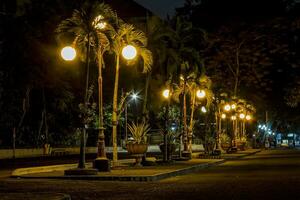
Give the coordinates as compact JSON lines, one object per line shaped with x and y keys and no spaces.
{"x":242,"y":115}
{"x":233,"y":117}
{"x":68,"y":53}
{"x":200,"y":94}
{"x":166,"y":93}
{"x":248,"y":117}
{"x":223,"y":116}
{"x":233,"y":106}
{"x":203,"y":109}
{"x":227,"y":107}
{"x":98,"y":23}
{"x":129,"y":52}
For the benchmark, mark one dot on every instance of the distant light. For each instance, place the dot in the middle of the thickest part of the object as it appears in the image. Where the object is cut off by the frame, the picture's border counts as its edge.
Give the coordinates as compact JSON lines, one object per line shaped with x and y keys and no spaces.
{"x":203,"y":109}
{"x":253,"y":135}
{"x":273,"y":133}
{"x":166,"y":93}
{"x":98,"y":23}
{"x":129,"y":52}
{"x":242,"y":115}
{"x":173,"y":128}
{"x":223,"y":116}
{"x":227,"y":107}
{"x":181,"y":77}
{"x":200,"y":93}
{"x":259,"y":126}
{"x":134,"y":96}
{"x":233,"y":106}
{"x":248,"y":117}
{"x":68,"y":53}
{"x":233,"y":117}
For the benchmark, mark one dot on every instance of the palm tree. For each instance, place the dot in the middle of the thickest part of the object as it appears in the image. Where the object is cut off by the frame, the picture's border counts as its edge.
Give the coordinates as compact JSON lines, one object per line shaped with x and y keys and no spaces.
{"x":189,"y":60}
{"x":202,"y":83}
{"x":124,"y":35}
{"x":158,"y":34}
{"x":92,"y":27}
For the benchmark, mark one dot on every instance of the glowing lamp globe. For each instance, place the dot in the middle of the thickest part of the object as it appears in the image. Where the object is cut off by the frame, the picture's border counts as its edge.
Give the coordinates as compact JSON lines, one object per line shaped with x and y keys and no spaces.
{"x":129,"y":52}
{"x":203,"y":109}
{"x":200,"y":93}
{"x":68,"y":53}
{"x":223,"y":116}
{"x":166,"y":93}
{"x":242,"y":116}
{"x":248,"y":117}
{"x":227,"y":107}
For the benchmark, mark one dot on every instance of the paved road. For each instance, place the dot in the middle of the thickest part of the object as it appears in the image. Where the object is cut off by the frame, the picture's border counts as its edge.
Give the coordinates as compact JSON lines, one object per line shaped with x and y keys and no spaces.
{"x":272,"y":174}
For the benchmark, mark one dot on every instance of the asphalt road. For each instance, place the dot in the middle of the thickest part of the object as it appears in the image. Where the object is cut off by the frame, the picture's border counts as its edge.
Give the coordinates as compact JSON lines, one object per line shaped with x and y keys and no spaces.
{"x":271,"y":174}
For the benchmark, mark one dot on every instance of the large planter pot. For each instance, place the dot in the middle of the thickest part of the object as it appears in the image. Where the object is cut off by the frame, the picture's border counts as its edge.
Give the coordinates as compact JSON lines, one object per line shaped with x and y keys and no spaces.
{"x":137,"y":151}
{"x":225,"y":146}
{"x":134,"y":148}
{"x":241,"y":146}
{"x":171,"y":149}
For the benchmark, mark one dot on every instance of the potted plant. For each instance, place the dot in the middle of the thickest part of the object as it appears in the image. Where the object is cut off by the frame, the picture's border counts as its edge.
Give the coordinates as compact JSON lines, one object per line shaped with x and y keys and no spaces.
{"x":225,"y":141}
{"x":138,"y":146}
{"x":171,"y":144}
{"x":241,"y":143}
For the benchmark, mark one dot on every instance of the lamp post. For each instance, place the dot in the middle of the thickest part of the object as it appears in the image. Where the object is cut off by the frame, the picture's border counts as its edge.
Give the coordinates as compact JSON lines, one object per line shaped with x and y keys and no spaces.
{"x":166,"y":94}
{"x":68,"y":54}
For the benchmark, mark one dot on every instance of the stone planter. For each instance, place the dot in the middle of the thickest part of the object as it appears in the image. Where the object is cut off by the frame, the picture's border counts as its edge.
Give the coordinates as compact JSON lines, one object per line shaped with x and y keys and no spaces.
{"x":225,"y":146}
{"x":137,"y":151}
{"x":171,"y":149}
{"x":241,"y":146}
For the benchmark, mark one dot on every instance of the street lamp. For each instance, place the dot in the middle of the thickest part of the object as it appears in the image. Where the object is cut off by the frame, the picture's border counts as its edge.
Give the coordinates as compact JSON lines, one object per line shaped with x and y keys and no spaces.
{"x":166,"y":94}
{"x":200,"y":94}
{"x":223,"y":116}
{"x":248,"y":117}
{"x":68,"y":53}
{"x":227,"y":107}
{"x":129,"y":52}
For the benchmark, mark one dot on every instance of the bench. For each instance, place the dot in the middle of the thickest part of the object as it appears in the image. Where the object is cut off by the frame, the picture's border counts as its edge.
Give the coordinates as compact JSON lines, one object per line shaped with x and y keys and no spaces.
{"x":59,"y":152}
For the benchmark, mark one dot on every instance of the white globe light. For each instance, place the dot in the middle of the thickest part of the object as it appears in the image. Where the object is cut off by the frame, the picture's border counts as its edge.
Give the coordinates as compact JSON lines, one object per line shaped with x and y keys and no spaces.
{"x":227,"y":107}
{"x":166,"y":93}
{"x":203,"y":109}
{"x":129,"y":52}
{"x":248,"y":117}
{"x":242,"y":116}
{"x":68,"y":53}
{"x":200,"y":93}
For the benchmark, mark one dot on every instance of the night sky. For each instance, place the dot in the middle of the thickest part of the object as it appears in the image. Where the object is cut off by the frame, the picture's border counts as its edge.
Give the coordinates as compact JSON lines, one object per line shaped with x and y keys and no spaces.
{"x":161,"y":7}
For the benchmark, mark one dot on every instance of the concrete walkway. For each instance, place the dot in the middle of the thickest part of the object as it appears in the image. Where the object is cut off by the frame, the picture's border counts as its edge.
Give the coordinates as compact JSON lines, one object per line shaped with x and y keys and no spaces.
{"x":129,"y":172}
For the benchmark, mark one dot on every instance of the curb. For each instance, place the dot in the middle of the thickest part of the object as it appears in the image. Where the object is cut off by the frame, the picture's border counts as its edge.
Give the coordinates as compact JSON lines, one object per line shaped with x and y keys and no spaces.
{"x":242,"y":156}
{"x":148,"y":178}
{"x":35,"y":196}
{"x":30,"y":170}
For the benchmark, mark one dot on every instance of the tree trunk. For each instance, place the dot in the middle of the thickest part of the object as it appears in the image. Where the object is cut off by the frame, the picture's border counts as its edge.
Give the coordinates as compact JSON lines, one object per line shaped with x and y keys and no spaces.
{"x":190,"y":130}
{"x":101,"y":136}
{"x":145,"y":111}
{"x":115,"y":112}
{"x":185,"y":134}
